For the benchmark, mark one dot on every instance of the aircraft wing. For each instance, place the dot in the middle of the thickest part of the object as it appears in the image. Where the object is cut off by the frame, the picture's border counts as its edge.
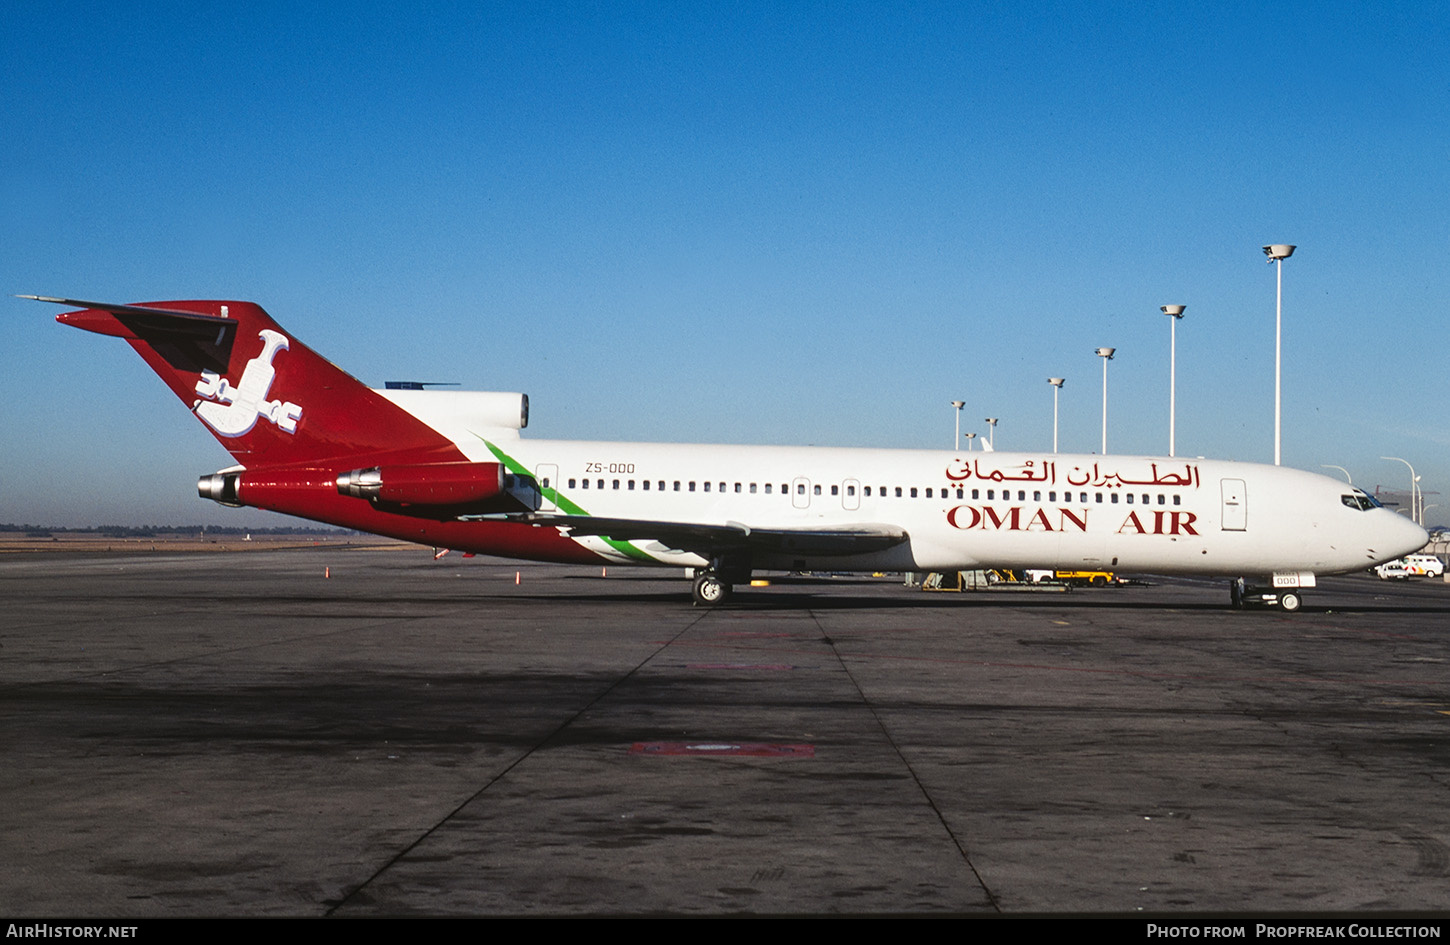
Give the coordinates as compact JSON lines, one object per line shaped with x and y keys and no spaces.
{"x":710,"y":540}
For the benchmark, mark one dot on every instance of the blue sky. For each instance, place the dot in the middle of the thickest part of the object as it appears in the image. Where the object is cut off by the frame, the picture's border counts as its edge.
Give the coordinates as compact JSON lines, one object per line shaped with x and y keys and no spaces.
{"x":737,"y":222}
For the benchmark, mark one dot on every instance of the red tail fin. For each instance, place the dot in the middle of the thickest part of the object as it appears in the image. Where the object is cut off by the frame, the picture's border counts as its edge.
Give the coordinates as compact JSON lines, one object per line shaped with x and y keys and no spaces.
{"x":268,"y":398}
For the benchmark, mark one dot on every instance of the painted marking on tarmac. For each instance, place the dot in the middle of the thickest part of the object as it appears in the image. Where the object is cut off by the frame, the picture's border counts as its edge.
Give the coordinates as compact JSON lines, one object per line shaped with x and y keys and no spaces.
{"x":772,"y":666}
{"x":720,"y":749}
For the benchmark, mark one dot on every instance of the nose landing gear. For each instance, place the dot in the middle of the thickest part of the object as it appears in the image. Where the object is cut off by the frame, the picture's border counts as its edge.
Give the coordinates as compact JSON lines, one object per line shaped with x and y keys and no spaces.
{"x":1243,"y":594}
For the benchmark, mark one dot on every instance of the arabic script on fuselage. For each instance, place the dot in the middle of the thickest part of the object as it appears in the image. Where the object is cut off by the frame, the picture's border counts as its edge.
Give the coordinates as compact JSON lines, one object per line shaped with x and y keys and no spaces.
{"x":1045,"y":473}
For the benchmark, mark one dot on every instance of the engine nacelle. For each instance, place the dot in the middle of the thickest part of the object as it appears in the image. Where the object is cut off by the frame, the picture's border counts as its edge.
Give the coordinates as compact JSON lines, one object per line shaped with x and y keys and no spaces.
{"x":430,"y":489}
{"x":439,"y":491}
{"x":280,"y":488}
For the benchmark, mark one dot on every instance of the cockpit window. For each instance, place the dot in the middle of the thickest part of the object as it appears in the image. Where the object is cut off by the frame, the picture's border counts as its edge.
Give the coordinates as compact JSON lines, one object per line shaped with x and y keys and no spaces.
{"x":1360,"y":500}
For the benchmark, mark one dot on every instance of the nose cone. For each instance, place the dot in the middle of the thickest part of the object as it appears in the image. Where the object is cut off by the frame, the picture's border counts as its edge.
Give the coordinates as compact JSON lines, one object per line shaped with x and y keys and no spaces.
{"x":1399,"y":536}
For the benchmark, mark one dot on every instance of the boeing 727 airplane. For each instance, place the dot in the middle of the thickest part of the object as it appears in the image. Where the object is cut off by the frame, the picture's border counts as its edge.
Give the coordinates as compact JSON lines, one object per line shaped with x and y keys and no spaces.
{"x":450,"y":469}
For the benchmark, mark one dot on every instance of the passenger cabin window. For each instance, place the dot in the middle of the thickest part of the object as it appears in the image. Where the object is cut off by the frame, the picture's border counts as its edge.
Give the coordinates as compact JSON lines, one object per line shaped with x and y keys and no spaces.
{"x":572,"y":483}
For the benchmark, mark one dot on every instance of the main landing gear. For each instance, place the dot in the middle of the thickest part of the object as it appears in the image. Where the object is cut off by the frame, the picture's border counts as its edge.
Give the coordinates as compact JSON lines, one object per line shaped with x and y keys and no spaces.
{"x":1242,"y":594}
{"x":715,"y":583}
{"x":710,"y":590}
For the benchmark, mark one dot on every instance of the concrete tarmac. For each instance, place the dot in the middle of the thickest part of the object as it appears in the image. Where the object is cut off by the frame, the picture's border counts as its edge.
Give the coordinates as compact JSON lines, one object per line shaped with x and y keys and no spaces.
{"x":239,"y":735}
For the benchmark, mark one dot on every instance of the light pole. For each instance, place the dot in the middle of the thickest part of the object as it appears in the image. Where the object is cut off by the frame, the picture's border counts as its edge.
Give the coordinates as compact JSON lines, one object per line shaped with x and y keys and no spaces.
{"x":970,"y":437}
{"x":1107,"y":355}
{"x":1340,"y":468}
{"x":992,"y":433}
{"x":1175,"y":312}
{"x":959,"y":404}
{"x":1056,"y":383}
{"x":1277,"y":253}
{"x":1414,"y":479}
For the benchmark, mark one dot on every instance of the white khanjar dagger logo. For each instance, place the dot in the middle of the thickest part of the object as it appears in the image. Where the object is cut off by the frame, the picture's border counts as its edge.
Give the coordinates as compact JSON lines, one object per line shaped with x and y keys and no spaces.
{"x":247,"y":401}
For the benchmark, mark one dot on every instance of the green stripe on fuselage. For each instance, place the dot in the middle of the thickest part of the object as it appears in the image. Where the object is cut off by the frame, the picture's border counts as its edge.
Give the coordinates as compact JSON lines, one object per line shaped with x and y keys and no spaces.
{"x":563,"y":504}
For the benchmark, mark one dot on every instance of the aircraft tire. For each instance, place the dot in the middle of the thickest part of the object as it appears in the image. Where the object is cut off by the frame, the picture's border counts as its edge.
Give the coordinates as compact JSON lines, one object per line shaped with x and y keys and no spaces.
{"x":1236,"y":594}
{"x":710,"y":591}
{"x":1289,"y":601}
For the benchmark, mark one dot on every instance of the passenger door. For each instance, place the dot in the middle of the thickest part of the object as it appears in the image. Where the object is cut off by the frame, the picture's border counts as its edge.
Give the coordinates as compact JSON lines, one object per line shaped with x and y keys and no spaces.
{"x":1235,"y":515}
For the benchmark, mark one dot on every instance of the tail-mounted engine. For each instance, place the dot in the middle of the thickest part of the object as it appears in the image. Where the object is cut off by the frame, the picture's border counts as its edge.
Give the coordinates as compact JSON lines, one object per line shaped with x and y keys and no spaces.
{"x":433,"y":488}
{"x":440,"y":491}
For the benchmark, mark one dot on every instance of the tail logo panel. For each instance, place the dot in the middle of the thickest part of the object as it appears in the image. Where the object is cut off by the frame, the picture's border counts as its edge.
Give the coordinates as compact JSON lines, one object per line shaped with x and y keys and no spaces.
{"x":233,"y":410}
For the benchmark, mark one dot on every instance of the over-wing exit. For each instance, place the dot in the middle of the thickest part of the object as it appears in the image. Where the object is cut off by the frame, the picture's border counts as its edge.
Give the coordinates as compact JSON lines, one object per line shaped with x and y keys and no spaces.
{"x":451,"y":469}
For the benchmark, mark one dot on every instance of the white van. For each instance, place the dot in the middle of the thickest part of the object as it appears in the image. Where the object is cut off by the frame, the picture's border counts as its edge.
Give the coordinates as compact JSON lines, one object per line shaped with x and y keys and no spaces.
{"x":1402,"y":569}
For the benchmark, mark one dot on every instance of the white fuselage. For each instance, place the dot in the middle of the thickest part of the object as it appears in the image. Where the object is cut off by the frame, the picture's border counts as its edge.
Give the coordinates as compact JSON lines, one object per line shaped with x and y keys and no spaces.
{"x":970,"y":510}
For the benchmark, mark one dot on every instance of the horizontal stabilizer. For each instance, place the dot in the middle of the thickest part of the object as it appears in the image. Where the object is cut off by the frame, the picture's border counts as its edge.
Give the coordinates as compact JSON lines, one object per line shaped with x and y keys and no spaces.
{"x":160,"y":314}
{"x":187,"y":341}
